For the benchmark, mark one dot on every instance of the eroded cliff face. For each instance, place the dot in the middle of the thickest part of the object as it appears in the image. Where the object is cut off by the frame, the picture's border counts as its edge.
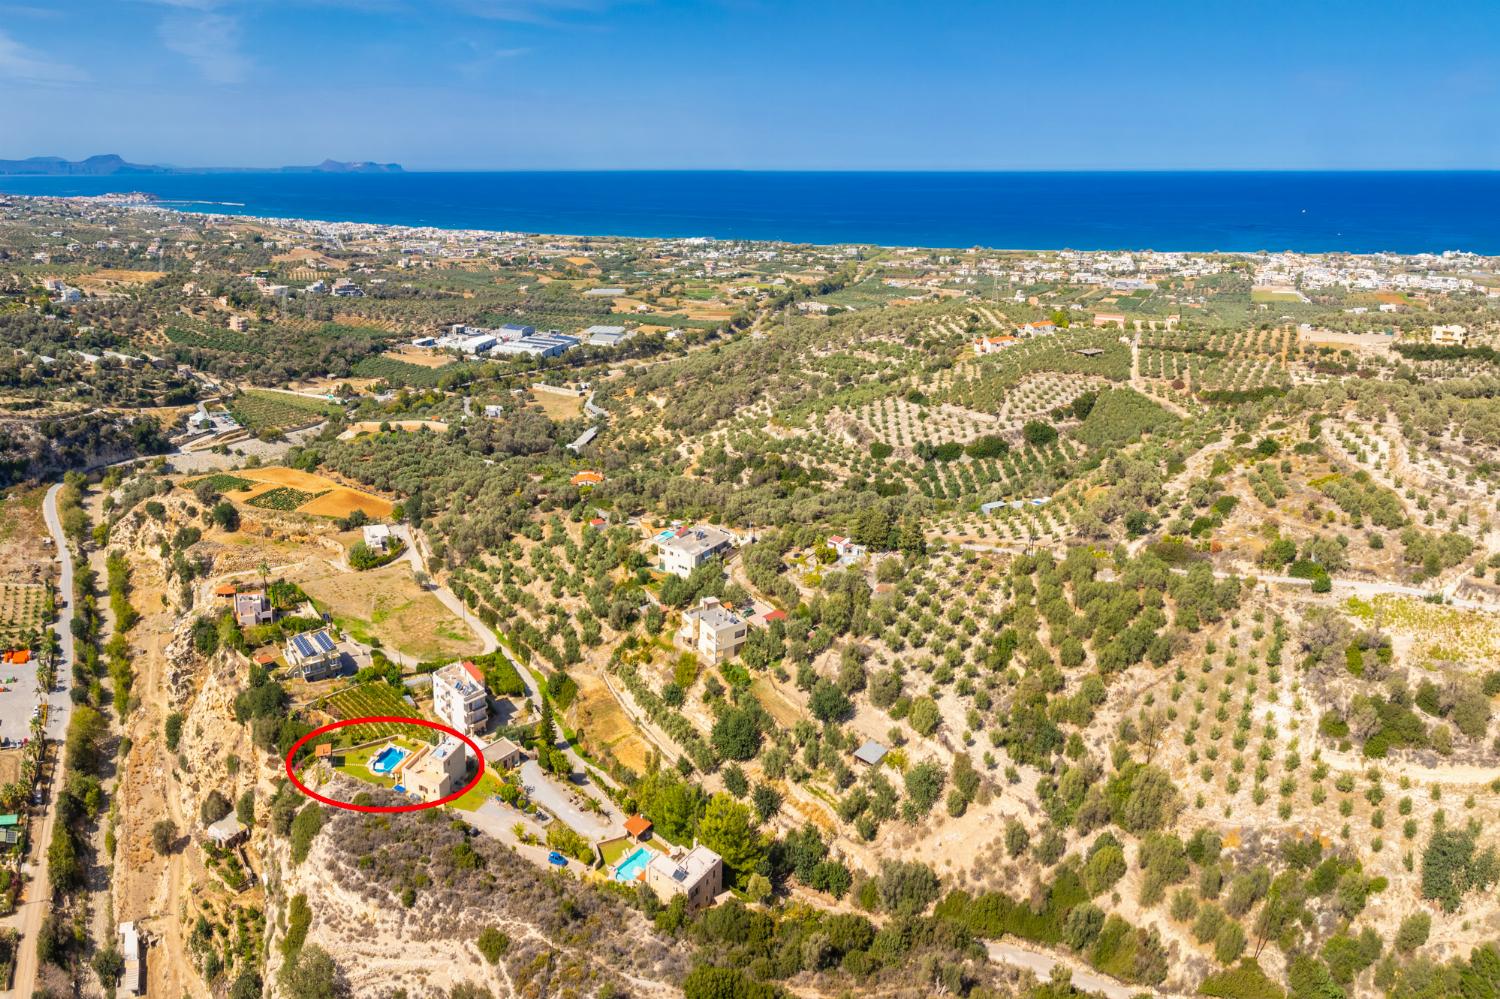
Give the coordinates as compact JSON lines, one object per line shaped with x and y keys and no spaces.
{"x":200,"y":909}
{"x":400,"y":901}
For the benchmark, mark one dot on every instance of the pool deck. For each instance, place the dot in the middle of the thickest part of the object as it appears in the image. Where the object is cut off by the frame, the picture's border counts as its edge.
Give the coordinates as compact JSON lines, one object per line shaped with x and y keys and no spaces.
{"x":646,"y":853}
{"x":357,"y":762}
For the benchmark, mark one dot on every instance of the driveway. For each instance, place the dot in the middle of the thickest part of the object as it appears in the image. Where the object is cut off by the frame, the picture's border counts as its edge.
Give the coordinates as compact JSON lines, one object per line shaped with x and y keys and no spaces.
{"x":555,"y":800}
{"x":446,"y":597}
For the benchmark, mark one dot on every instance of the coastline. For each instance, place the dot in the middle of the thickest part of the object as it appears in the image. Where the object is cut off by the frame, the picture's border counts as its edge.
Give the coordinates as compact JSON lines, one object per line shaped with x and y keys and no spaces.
{"x":1192,"y":212}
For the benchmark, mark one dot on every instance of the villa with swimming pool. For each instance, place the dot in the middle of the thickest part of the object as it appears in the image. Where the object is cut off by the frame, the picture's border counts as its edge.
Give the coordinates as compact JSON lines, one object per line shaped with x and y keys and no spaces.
{"x":435,"y":771}
{"x":696,"y":874}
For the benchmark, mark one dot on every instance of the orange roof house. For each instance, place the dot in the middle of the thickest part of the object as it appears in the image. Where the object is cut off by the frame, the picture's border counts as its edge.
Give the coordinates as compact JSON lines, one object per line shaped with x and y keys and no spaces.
{"x":226,"y":591}
{"x":587,"y":478}
{"x":638,"y":826}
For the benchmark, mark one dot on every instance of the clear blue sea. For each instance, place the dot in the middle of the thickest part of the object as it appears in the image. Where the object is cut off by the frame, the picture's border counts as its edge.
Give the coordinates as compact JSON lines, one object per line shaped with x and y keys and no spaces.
{"x":1354,"y":212}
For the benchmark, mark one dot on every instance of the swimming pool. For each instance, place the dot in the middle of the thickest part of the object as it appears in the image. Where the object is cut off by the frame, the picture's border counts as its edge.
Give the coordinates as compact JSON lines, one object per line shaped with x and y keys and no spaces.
{"x":386,"y":760}
{"x":631,"y":867}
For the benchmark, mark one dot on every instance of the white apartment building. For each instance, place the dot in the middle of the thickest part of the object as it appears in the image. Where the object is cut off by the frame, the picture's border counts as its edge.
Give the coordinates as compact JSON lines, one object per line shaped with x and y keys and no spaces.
{"x":459,"y":697}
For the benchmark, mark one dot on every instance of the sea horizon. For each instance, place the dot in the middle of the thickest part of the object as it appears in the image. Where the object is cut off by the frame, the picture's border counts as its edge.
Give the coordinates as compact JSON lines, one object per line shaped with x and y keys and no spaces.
{"x":1239,"y":211}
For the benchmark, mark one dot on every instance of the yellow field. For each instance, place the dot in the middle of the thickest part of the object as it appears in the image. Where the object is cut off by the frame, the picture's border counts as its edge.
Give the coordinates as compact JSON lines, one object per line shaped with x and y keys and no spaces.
{"x":604,"y":723}
{"x":119,"y":276}
{"x":777,"y":706}
{"x":421,"y":358}
{"x":410,"y":426}
{"x":387,"y":604}
{"x":342,"y":501}
{"x":337,"y":500}
{"x":558,"y":407}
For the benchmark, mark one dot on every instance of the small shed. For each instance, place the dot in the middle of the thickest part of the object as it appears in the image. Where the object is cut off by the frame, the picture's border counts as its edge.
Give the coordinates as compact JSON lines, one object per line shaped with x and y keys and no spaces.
{"x":504,"y":754}
{"x":132,"y":949}
{"x":1091,"y":351}
{"x":638,"y":826}
{"x":871,"y":753}
{"x":226,"y":832}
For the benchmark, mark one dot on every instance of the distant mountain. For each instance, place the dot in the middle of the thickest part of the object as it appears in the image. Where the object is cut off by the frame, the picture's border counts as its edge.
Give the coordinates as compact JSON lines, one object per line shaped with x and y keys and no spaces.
{"x":337,"y":166}
{"x":110,"y":164}
{"x":94,"y":166}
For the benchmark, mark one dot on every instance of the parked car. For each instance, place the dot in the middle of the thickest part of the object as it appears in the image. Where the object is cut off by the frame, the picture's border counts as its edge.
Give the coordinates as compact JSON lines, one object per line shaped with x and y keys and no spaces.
{"x":556,"y":859}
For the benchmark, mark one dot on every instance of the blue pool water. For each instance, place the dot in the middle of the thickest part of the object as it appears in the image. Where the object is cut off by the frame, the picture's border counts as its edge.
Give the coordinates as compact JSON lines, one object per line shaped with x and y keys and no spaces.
{"x":631,"y":867}
{"x":386,"y":760}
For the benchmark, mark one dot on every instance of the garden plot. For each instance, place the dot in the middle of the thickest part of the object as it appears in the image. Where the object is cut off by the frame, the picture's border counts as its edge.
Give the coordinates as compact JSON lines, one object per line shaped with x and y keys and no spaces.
{"x":261,"y":411}
{"x":373,"y":700}
{"x":25,"y":609}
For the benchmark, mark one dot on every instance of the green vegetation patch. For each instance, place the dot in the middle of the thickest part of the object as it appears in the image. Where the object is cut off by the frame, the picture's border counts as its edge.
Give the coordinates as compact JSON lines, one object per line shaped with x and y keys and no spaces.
{"x":283,"y":498}
{"x":1120,"y":415}
{"x":223,"y":482}
{"x":261,"y":411}
{"x":405,"y":374}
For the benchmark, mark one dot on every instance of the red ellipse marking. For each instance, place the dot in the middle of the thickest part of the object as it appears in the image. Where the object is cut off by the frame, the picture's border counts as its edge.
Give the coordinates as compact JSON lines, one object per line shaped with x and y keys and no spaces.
{"x":297,"y":783}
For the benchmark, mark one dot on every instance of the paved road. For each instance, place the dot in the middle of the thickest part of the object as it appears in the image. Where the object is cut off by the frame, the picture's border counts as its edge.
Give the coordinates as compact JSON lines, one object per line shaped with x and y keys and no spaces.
{"x":418,"y":560}
{"x":37,"y":900}
{"x":546,"y":791}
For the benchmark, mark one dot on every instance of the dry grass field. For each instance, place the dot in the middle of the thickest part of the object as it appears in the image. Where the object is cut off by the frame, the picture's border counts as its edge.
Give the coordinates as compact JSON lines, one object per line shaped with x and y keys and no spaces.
{"x":421,"y":358}
{"x":24,"y":555}
{"x":387,"y":604}
{"x":341,"y":501}
{"x":111,"y":278}
{"x":558,"y":407}
{"x":10,"y":766}
{"x":596,"y":712}
{"x":410,"y":426}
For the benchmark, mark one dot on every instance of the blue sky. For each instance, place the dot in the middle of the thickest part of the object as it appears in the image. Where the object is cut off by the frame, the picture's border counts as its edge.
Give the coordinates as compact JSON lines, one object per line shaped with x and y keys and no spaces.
{"x":756,"y":84}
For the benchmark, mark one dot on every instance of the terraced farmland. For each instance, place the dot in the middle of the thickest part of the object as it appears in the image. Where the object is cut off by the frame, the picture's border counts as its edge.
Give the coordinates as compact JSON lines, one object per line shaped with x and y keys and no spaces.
{"x":373,"y":700}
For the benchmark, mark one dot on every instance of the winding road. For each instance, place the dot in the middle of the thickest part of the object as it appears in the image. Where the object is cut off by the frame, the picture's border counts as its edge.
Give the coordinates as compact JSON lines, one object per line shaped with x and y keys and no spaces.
{"x":37,"y":897}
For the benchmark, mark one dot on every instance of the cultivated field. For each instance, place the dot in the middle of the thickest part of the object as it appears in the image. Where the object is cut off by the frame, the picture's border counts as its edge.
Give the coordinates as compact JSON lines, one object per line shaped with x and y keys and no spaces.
{"x":279,"y":488}
{"x":23,"y":612}
{"x":277,"y":411}
{"x":369,"y":700}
